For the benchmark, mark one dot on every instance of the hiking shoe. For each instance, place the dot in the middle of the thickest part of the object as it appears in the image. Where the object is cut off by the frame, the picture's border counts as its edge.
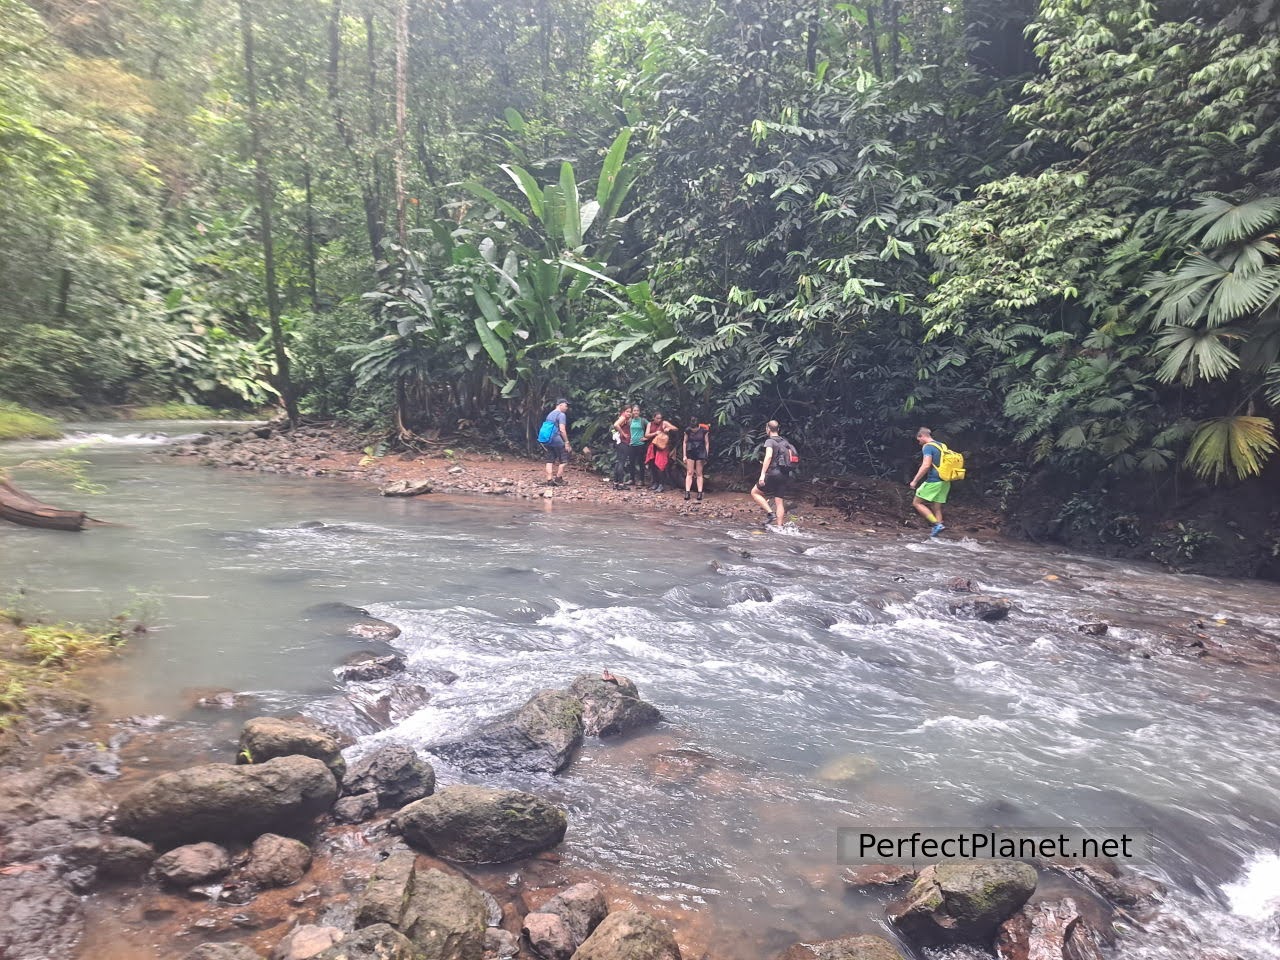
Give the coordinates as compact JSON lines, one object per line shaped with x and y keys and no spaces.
{"x":937,"y":529}
{"x":767,"y":521}
{"x":686,"y":494}
{"x":699,"y":496}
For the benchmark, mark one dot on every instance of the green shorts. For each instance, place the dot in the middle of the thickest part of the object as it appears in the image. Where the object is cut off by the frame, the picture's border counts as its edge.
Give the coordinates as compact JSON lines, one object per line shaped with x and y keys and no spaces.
{"x":934,"y":492}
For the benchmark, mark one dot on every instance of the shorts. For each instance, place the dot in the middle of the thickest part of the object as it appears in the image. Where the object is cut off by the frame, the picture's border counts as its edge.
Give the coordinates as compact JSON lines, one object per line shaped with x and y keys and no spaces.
{"x":776,"y":484}
{"x":696,"y":455}
{"x":935,"y":491}
{"x":556,"y":452}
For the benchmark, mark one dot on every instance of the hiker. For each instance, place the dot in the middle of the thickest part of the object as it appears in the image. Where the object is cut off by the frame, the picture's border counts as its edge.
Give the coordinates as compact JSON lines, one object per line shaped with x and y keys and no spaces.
{"x":658,"y":458}
{"x":779,"y":461}
{"x":697,"y":448}
{"x":932,"y":493}
{"x":639,"y":445}
{"x":622,"y":446}
{"x":554,"y":437}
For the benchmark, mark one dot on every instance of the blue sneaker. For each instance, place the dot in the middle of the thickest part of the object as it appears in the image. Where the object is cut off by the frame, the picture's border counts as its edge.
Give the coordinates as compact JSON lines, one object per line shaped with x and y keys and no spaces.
{"x":937,"y":529}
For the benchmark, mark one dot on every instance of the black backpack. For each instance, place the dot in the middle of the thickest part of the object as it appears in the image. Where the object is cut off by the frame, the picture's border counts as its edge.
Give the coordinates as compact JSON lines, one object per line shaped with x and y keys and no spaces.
{"x":788,"y":458}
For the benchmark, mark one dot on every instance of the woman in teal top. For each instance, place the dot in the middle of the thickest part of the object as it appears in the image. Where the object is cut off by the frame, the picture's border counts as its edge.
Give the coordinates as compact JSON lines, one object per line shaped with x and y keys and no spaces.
{"x":639,"y":446}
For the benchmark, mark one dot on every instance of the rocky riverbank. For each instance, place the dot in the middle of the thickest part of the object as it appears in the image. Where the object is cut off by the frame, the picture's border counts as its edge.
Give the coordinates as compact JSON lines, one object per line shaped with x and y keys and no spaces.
{"x":861,"y":507}
{"x":298,"y":851}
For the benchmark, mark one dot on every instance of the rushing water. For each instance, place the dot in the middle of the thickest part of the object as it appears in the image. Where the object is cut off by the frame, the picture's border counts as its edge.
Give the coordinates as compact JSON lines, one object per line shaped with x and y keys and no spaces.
{"x":727,"y":808}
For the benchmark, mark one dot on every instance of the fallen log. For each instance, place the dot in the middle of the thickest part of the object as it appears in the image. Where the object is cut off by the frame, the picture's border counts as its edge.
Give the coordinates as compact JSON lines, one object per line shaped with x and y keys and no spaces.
{"x":19,"y":507}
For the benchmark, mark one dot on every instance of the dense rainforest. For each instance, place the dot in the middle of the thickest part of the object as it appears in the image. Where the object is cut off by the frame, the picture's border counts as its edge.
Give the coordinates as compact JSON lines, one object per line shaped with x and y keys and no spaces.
{"x":1048,"y":230}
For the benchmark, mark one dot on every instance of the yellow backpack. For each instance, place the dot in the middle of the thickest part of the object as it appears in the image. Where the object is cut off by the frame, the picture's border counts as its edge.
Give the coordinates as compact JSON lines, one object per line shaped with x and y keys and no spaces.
{"x":951,"y":466}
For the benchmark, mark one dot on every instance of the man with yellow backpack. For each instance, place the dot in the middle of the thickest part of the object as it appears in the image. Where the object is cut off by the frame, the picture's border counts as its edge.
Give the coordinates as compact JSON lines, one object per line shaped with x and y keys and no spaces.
{"x":938,"y":467}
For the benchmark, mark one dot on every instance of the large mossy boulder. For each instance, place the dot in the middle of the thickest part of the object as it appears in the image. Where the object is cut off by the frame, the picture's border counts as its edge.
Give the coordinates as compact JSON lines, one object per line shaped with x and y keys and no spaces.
{"x":844,"y":948}
{"x":962,"y":902}
{"x":221,"y":801}
{"x":481,"y":825}
{"x":629,"y":935}
{"x":612,"y":707}
{"x":266,"y":738}
{"x":541,"y":737}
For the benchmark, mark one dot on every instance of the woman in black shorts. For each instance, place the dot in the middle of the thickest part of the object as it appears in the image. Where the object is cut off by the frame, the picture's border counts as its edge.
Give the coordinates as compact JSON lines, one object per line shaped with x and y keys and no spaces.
{"x":697,"y":448}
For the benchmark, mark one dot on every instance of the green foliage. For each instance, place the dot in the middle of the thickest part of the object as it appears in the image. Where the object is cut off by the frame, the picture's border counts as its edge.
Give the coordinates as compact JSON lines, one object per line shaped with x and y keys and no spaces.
{"x":19,"y":423}
{"x":184,"y":411}
{"x":57,"y":644}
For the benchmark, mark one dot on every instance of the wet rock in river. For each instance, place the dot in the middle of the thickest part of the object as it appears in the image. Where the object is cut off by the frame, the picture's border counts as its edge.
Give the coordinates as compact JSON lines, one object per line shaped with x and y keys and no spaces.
{"x":962,"y":902}
{"x":59,"y":792}
{"x":406,"y":488}
{"x":266,"y":738}
{"x":480,"y":825}
{"x":980,"y":608}
{"x":222,"y":951}
{"x":276,"y":861}
{"x":1095,"y":629}
{"x":386,"y":896}
{"x":743,"y":592}
{"x":378,"y":942}
{"x":847,"y":768}
{"x":366,"y":666}
{"x":445,"y":917}
{"x":384,"y":703}
{"x":844,"y":948}
{"x":542,"y":736}
{"x":356,"y":808}
{"x":549,"y":936}
{"x":871,"y":875}
{"x":306,"y":942}
{"x":629,"y":935}
{"x":394,"y":772}
{"x":220,"y":801}
{"x":371,"y":628}
{"x":1052,"y":930}
{"x":111,"y":856}
{"x":963,"y":585}
{"x":193,"y":864}
{"x":500,"y":944}
{"x":611,"y":708}
{"x":581,"y":908}
{"x":221,"y":700}
{"x":41,"y":918}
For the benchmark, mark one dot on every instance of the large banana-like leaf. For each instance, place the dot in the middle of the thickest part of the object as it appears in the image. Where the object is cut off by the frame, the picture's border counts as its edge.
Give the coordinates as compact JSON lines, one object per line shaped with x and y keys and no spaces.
{"x":553,"y":211}
{"x":506,"y":206}
{"x":1231,"y":445}
{"x":572,"y":207}
{"x":528,"y":186}
{"x":485,"y":323}
{"x":612,"y":166}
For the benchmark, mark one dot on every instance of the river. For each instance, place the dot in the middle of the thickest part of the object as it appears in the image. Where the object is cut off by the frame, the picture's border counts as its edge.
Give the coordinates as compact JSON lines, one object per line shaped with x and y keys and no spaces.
{"x":730,"y":808}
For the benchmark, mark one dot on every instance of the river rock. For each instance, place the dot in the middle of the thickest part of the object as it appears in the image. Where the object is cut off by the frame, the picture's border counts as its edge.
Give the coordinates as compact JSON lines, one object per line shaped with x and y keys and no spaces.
{"x":742,"y":592}
{"x":582,"y":907}
{"x":266,"y":738}
{"x":629,"y":935}
{"x":58,"y":792}
{"x":963,"y":585}
{"x":220,"y":801}
{"x":368,"y":666}
{"x":41,"y":918}
{"x":406,"y":488}
{"x":445,"y":917}
{"x":610,"y":709}
{"x":392,"y":771}
{"x":378,"y":942}
{"x":869,"y":875}
{"x":500,"y":944}
{"x":306,"y":941}
{"x":371,"y":628}
{"x":384,"y":703}
{"x":962,"y":902}
{"x":480,"y":825}
{"x":847,"y":768}
{"x":193,"y":864}
{"x":356,"y":808}
{"x":1052,"y":930}
{"x":980,"y":608}
{"x":549,"y":936}
{"x":1097,"y":628}
{"x":276,"y":861}
{"x":845,"y":948}
{"x":222,"y":951}
{"x":112,"y":856}
{"x":386,"y":896}
{"x":541,"y":737}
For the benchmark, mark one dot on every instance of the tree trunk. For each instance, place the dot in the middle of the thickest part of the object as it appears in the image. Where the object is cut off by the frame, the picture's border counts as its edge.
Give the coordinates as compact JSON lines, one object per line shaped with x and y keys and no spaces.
{"x":310,"y":238}
{"x":373,"y":209}
{"x":262,"y":182}
{"x":873,"y":41}
{"x":402,"y":71}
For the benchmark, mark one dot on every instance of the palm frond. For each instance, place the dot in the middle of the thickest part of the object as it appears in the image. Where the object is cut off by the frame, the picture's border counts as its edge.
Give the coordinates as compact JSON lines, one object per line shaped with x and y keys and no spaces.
{"x":1196,"y":354}
{"x":1217,"y":221}
{"x":1236,"y":446}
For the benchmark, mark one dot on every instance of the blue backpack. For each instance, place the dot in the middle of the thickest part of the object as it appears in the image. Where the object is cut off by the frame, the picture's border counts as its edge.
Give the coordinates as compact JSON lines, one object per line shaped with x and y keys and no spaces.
{"x":549,"y":429}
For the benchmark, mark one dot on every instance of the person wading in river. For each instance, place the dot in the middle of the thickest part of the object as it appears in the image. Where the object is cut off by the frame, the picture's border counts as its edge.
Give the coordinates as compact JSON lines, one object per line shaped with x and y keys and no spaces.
{"x":932,"y":493}
{"x":697,"y":448}
{"x":554,"y":437}
{"x":775,"y":475}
